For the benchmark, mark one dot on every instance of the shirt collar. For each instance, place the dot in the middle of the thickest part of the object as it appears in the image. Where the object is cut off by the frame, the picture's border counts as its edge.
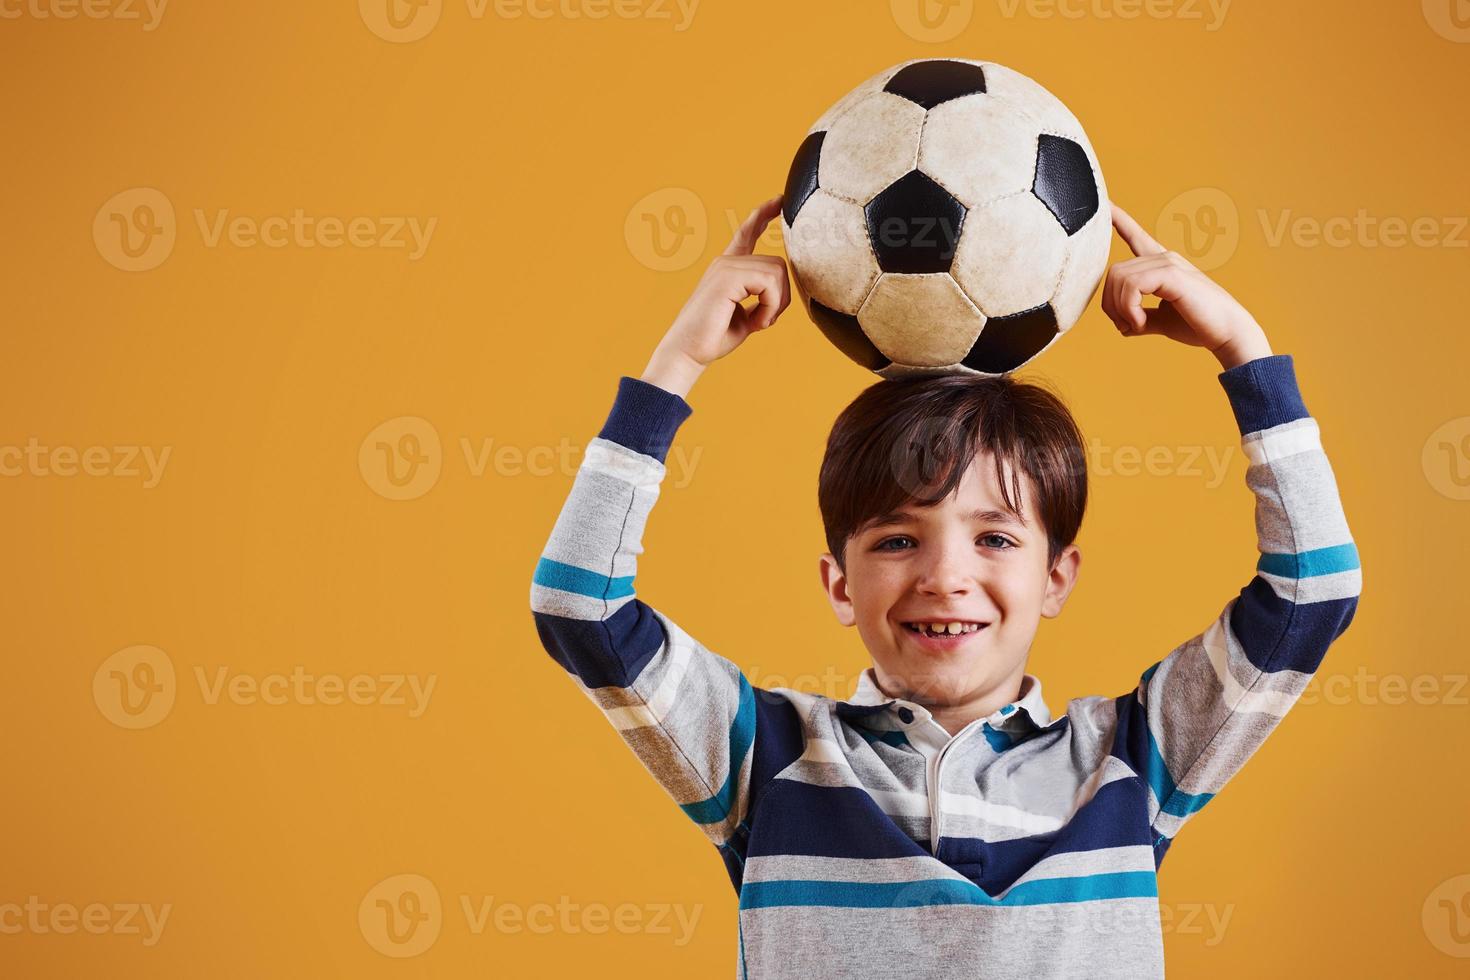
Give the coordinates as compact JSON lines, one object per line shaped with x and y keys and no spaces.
{"x":1027,"y":711}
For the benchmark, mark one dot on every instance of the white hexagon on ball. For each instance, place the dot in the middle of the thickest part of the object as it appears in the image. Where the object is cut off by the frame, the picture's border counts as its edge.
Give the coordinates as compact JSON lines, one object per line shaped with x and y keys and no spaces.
{"x":870,"y":146}
{"x":829,"y":245}
{"x":1010,"y":255}
{"x":978,"y":149}
{"x":942,"y":335}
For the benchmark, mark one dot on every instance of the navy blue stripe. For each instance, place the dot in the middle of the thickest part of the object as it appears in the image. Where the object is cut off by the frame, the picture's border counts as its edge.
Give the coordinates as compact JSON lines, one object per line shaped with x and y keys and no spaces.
{"x":778,"y":742}
{"x":896,"y":739}
{"x":1161,"y":847}
{"x":732,"y":852}
{"x":1277,"y":635}
{"x":1131,"y":739}
{"x":1263,"y":393}
{"x":1115,"y":817}
{"x":827,"y":821}
{"x":604,"y":653}
{"x":644,"y":418}
{"x":1134,"y":742}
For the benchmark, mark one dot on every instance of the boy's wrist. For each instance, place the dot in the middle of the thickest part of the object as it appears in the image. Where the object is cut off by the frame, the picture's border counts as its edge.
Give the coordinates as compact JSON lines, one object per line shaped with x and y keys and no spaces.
{"x":1249,"y":345}
{"x":672,"y":371}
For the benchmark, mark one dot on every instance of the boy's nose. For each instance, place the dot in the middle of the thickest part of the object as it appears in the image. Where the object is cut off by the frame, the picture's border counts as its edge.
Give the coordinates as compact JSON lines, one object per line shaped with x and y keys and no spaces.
{"x":945,"y":583}
{"x":950,"y":573}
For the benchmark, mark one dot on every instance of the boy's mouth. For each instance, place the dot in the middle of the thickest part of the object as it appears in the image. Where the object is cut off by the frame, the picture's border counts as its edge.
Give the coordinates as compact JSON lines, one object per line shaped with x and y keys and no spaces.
{"x":946,"y":628}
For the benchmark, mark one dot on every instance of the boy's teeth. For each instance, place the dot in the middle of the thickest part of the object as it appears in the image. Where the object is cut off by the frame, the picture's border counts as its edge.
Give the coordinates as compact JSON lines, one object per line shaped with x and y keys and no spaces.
{"x":948,"y":628}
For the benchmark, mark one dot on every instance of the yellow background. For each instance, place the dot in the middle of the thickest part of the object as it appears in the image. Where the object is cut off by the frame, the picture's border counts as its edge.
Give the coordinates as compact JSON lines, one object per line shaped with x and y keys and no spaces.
{"x":536,"y":143}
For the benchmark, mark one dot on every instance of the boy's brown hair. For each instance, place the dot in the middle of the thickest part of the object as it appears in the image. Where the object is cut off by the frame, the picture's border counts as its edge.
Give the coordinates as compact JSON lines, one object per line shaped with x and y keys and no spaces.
{"x":910,"y":440}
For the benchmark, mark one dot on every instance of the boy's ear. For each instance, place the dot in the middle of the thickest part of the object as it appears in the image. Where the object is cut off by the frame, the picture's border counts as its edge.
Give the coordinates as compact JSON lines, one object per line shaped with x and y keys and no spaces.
{"x":835,"y":583}
{"x":1060,"y":580}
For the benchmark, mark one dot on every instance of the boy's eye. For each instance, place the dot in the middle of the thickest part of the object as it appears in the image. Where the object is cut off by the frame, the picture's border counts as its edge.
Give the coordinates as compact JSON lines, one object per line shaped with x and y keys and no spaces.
{"x":998,"y":541}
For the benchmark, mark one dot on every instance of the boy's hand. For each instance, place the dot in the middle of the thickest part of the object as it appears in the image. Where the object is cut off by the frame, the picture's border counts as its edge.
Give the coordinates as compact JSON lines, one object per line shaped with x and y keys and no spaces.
{"x":1193,"y":308}
{"x":712,"y":322}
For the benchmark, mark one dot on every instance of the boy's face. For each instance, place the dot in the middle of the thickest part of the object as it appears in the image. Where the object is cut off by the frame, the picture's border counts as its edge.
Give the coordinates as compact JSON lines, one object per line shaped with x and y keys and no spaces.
{"x":967,"y":558}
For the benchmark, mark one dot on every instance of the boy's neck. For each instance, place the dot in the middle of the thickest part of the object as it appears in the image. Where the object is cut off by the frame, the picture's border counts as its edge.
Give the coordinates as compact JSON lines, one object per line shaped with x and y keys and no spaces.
{"x":954,"y":717}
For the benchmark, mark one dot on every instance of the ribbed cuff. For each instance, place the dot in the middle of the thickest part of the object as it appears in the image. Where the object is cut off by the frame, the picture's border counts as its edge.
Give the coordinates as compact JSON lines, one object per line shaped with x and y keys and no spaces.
{"x":1263,"y":393}
{"x":644,"y":418}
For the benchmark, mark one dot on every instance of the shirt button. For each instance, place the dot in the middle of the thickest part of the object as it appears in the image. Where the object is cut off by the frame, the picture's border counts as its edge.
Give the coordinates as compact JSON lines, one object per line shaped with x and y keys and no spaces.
{"x":905,"y":715}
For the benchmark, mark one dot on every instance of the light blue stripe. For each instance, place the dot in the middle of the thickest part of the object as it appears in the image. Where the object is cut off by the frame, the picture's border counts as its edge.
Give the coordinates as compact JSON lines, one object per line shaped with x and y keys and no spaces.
{"x":999,"y":741}
{"x":570,"y":578}
{"x":1171,"y":799}
{"x":742,"y":734}
{"x":946,"y":891}
{"x":1309,"y":564}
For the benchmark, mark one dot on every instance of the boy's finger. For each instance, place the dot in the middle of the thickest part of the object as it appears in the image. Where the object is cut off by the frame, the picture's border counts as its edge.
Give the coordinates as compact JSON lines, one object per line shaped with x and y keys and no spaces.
{"x":748,"y":233}
{"x":772,"y":296}
{"x":1139,"y":241}
{"x":1163,"y":281}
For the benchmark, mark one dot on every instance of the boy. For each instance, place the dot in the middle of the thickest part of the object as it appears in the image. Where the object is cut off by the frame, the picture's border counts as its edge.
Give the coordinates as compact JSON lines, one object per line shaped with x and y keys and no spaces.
{"x":940,"y":822}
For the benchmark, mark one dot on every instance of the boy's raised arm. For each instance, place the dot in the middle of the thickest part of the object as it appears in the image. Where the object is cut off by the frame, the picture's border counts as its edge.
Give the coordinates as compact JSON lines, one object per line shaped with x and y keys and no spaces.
{"x":1197,"y":715}
{"x":690,"y":715}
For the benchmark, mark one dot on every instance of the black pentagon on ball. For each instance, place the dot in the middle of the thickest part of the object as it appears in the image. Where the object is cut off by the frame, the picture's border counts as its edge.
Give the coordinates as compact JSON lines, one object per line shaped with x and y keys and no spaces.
{"x":1007,"y":342}
{"x":934,"y":82}
{"x":914,"y":225}
{"x":846,"y":334}
{"x":801,"y":180}
{"x":1064,"y":181}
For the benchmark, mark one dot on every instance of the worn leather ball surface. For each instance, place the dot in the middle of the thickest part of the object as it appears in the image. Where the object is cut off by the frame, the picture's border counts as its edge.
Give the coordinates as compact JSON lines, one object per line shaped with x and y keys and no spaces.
{"x":946,"y":216}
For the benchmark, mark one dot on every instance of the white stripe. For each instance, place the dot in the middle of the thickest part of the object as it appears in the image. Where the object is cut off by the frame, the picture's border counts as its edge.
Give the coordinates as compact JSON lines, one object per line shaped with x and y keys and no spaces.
{"x":1219,"y":643}
{"x":1283,"y":440}
{"x":620,"y":462}
{"x":1317,"y":588}
{"x":652,"y":711}
{"x":897,"y":803}
{"x":824,"y":750}
{"x":998,"y":813}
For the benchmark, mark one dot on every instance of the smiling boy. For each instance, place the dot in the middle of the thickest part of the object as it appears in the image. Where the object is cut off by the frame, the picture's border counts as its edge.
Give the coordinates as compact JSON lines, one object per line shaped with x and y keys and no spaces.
{"x":940,"y":822}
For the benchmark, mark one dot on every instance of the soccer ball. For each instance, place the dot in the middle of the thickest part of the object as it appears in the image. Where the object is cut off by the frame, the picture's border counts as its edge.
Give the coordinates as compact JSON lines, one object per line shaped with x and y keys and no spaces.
{"x":946,"y":216}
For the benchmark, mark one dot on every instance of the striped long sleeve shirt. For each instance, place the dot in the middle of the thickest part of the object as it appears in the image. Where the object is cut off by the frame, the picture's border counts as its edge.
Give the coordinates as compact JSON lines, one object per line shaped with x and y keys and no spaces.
{"x":861,"y":838}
